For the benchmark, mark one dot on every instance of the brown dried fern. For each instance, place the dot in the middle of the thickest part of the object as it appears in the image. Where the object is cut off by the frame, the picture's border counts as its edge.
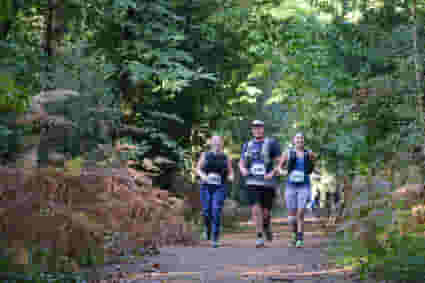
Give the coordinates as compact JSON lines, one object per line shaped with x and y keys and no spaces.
{"x":68,"y":213}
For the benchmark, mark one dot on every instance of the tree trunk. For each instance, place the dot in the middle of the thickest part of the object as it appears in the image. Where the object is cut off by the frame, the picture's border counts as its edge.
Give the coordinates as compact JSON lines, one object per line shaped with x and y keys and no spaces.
{"x":55,"y":26}
{"x":419,"y":71}
{"x":196,"y":142}
{"x":6,"y":23}
{"x":48,"y":44}
{"x":418,"y":64}
{"x":19,"y":255}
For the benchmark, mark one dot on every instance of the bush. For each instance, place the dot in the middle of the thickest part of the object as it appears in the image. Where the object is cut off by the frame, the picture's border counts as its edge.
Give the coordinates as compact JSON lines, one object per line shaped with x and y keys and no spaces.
{"x":380,"y":236}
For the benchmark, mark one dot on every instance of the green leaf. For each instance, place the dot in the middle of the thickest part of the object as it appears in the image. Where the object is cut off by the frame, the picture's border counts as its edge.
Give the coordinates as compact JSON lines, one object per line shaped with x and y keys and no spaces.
{"x":140,"y":71}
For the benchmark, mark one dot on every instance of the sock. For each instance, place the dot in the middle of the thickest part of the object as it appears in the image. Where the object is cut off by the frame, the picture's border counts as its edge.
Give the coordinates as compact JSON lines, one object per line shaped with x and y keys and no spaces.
{"x":300,"y":236}
{"x":266,"y":224}
{"x":215,"y":237}
{"x":259,"y":235}
{"x":207,"y":223}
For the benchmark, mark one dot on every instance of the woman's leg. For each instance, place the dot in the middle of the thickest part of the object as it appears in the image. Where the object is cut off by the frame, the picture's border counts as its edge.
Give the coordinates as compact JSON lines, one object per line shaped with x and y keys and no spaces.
{"x":205,"y":197}
{"x":291,"y":205}
{"x":218,"y":197}
{"x":303,"y":197}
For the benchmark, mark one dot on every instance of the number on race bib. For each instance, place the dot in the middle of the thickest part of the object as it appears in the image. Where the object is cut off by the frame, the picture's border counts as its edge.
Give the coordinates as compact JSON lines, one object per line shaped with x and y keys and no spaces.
{"x":214,"y":179}
{"x":258,"y":170}
{"x":297,"y":177}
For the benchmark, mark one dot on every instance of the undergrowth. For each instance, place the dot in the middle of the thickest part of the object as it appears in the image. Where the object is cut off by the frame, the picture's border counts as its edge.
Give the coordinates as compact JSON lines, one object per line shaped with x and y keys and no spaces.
{"x":381,"y":238}
{"x":34,"y":274}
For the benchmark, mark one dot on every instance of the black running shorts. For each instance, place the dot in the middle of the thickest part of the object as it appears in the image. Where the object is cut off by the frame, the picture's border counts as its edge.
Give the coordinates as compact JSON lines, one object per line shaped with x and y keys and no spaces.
{"x":264,"y":196}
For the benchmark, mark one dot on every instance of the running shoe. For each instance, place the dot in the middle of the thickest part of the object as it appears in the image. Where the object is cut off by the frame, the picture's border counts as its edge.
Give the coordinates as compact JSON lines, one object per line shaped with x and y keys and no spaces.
{"x":259,"y":243}
{"x":299,"y":244}
{"x":269,"y":234}
{"x":292,"y":242}
{"x":205,"y":236}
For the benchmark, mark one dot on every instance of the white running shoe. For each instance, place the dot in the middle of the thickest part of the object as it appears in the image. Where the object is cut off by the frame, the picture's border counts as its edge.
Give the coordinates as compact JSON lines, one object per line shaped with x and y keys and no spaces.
{"x":259,"y":243}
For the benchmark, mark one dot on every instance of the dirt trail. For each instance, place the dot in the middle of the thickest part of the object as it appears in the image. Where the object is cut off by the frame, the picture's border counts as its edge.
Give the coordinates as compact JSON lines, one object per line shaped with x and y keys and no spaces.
{"x":237,"y":260}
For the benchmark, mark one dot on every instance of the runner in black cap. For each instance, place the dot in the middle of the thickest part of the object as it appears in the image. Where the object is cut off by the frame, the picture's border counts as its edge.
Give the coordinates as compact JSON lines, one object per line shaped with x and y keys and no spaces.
{"x":256,"y":165}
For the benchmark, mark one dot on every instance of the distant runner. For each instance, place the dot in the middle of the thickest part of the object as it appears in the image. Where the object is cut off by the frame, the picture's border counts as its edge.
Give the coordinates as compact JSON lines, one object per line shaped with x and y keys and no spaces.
{"x":300,"y":164}
{"x":256,"y":165}
{"x":214,"y":167}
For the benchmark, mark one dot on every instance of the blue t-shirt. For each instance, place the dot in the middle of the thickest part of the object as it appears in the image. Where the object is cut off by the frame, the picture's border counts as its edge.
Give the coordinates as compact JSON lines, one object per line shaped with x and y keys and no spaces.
{"x":257,"y":157}
{"x":256,"y":151}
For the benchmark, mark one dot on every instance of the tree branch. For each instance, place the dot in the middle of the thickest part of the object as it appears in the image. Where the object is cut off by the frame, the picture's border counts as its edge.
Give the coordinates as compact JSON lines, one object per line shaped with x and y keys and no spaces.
{"x":132,"y":131}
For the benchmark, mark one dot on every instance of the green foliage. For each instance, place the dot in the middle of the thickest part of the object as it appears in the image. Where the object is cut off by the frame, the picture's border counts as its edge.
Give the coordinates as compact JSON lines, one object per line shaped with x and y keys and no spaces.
{"x":12,"y":97}
{"x":151,"y":45}
{"x":153,"y":123}
{"x":35,"y":274}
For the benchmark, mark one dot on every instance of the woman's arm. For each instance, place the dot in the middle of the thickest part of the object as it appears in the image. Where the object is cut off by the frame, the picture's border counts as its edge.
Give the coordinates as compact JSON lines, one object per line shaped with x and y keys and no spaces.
{"x":230,"y":170}
{"x":313,"y":156}
{"x":199,"y":166}
{"x":242,"y":167}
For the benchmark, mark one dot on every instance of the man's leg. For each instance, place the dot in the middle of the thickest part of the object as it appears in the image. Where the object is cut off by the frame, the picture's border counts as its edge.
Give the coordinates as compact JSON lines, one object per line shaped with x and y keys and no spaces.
{"x":267,"y":205}
{"x":266,"y":223}
{"x":291,"y":205}
{"x":256,"y":213}
{"x":258,"y":218}
{"x":206,"y":212}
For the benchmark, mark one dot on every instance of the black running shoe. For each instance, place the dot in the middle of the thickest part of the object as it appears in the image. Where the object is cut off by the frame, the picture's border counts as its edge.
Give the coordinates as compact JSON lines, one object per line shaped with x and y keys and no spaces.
{"x":268,"y":233}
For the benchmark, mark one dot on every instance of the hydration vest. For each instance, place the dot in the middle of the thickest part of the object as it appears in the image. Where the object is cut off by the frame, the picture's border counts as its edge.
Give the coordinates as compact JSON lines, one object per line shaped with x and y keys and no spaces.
{"x":264,"y":155}
{"x":265,"y":152}
{"x":308,"y":163}
{"x":215,"y":163}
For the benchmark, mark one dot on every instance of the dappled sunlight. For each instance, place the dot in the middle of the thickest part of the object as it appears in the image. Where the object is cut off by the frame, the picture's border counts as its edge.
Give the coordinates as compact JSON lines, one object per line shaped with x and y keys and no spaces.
{"x":297,"y":8}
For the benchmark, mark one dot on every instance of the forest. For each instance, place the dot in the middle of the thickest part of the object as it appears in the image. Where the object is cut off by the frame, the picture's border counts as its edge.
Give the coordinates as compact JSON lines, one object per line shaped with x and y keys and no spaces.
{"x":106,"y":106}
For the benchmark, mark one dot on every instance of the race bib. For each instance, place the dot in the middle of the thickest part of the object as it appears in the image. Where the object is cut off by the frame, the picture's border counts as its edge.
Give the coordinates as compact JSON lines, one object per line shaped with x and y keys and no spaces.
{"x":296,"y":177}
{"x":258,"y":170}
{"x":213,"y":179}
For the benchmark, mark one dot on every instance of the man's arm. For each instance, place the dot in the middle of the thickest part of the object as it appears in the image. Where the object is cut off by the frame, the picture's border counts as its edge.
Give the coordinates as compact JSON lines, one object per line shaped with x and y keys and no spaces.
{"x":276,"y":153}
{"x":282,"y":161}
{"x":242,"y":167}
{"x":242,"y":164}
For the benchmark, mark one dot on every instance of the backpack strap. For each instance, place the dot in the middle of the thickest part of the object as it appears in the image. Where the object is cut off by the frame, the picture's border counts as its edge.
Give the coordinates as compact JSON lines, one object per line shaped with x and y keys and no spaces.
{"x":307,"y":161}
{"x":265,"y":150}
{"x":248,"y":156}
{"x":291,"y":159}
{"x":209,"y":155}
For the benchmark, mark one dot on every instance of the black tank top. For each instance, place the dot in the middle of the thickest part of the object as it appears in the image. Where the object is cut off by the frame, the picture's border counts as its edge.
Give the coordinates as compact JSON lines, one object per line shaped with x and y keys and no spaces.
{"x":215,"y":163}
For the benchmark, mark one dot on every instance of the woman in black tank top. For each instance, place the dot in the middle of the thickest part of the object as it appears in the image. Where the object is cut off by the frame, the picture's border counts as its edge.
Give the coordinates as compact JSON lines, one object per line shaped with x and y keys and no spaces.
{"x":214,"y":168}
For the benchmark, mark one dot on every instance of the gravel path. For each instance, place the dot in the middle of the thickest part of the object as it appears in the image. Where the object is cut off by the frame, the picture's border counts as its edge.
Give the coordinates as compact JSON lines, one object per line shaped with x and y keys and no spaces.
{"x":237,"y":260}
